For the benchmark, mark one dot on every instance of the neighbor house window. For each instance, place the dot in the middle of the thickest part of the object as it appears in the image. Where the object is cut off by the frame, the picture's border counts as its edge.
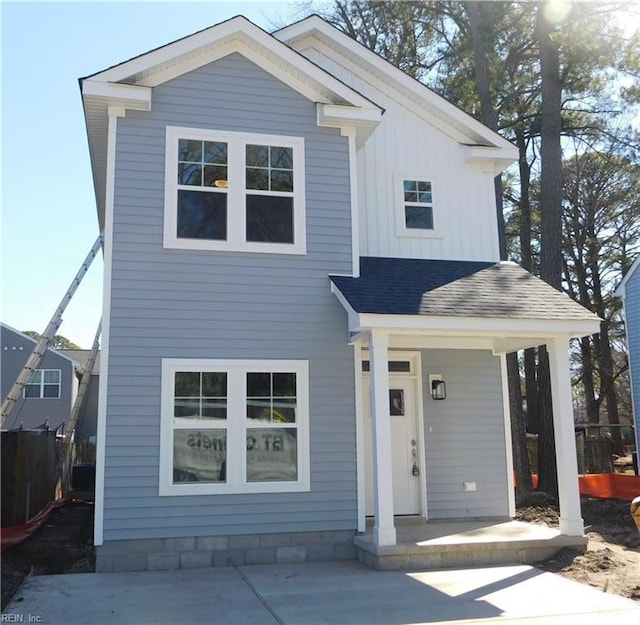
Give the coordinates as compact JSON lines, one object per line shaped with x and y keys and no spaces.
{"x":234,"y":426}
{"x":234,"y":191}
{"x":43,"y":384}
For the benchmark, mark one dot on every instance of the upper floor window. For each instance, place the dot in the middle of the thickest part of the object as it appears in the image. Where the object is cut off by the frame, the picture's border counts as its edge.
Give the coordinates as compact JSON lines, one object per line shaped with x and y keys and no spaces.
{"x":43,"y":383}
{"x":418,"y":205}
{"x":234,"y":191}
{"x":415,"y":209}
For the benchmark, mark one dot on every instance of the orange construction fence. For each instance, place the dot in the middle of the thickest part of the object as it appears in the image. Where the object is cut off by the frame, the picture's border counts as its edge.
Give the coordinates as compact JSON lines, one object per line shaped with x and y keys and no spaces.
{"x":605,"y":485}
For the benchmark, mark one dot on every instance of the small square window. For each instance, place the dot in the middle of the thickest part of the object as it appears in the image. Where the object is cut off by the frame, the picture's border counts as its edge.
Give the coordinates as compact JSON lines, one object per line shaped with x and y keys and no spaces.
{"x":417,"y":208}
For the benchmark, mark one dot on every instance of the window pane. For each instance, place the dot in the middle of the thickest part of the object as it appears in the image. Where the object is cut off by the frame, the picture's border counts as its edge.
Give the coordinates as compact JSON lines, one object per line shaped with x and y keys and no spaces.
{"x":269,"y":219}
{"x":215,"y":152}
{"x":396,"y":402}
{"x":190,"y":174}
{"x":214,"y":408}
{"x":410,"y":186}
{"x":284,"y":384}
{"x":272,"y":455}
{"x":257,"y":156}
{"x":32,"y":390}
{"x":410,"y":196}
{"x":199,"y":456}
{"x":259,"y":384}
{"x":284,"y":410}
{"x":282,"y":158}
{"x":425,"y":197}
{"x":187,"y":384}
{"x":202,"y":215}
{"x":259,"y":409}
{"x":215,"y":176}
{"x":190,"y":150}
{"x":424,"y":186}
{"x":214,"y":384}
{"x":186,"y":407}
{"x":257,"y":179}
{"x":35,"y":377}
{"x":51,"y":390}
{"x":51,"y":376}
{"x":281,"y":180}
{"x":419,"y":217}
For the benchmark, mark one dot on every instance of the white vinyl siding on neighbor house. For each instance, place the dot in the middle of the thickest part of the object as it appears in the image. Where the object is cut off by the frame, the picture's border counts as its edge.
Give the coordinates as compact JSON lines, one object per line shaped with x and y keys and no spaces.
{"x":234,"y":191}
{"x":234,"y":426}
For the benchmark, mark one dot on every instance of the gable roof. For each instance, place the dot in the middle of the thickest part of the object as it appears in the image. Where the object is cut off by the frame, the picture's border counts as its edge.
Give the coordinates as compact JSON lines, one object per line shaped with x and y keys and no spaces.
{"x":26,"y":337}
{"x":417,"y":96}
{"x":129,"y":85}
{"x":405,"y":286}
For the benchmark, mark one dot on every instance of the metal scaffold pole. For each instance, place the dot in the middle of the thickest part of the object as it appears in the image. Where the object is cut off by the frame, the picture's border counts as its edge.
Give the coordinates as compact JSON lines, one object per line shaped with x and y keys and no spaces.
{"x":40,"y":349}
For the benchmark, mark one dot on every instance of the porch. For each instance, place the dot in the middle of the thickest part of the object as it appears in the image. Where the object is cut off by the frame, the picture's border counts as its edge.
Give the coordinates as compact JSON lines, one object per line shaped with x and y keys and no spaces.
{"x":451,"y":544}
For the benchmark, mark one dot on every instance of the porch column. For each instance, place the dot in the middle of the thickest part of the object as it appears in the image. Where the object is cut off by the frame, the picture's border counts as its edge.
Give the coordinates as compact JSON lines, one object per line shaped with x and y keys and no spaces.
{"x":571,"y":523}
{"x":384,"y":532}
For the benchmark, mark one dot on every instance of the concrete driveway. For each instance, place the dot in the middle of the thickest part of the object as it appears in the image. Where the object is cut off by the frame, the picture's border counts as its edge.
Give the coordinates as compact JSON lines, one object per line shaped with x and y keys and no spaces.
{"x":336,"y":593}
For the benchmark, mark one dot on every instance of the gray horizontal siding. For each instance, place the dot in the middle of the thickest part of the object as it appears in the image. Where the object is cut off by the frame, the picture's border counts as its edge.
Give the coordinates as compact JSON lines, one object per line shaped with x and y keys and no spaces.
{"x":31,"y":412}
{"x":632,"y":322}
{"x":464,"y":436}
{"x":168,"y":303}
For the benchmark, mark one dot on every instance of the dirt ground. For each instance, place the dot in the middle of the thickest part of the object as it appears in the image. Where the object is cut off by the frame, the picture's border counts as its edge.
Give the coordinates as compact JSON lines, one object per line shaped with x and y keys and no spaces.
{"x":64,"y":544}
{"x":611,"y":563}
{"x":612,"y":560}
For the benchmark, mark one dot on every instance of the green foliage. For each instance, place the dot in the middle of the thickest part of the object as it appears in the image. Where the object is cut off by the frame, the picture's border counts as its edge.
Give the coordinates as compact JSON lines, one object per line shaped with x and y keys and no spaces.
{"x":58,"y":341}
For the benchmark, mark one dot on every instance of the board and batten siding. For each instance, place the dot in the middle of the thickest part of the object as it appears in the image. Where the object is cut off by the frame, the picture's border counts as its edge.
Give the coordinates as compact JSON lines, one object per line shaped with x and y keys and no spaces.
{"x":405,"y":145}
{"x":632,"y":324}
{"x":464,"y":436}
{"x":172,"y":303}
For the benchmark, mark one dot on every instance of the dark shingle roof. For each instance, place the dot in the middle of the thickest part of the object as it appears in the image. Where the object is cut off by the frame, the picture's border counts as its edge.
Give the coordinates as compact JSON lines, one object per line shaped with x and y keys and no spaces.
{"x":404,"y":286}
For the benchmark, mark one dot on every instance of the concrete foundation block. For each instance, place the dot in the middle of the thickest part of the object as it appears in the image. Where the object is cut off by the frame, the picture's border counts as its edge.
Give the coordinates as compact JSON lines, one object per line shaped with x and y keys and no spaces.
{"x":260,"y":556}
{"x":195,"y":559}
{"x":179,"y":544}
{"x":229,"y":557}
{"x":296,"y":553}
{"x":163,"y":561}
{"x":248,"y":541}
{"x":319,"y":553}
{"x":212,"y":543}
{"x":130,"y":563}
{"x":275,"y":540}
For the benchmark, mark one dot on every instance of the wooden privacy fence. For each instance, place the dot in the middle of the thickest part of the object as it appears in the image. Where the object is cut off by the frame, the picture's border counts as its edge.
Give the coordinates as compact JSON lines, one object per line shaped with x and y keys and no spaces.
{"x":31,"y":474}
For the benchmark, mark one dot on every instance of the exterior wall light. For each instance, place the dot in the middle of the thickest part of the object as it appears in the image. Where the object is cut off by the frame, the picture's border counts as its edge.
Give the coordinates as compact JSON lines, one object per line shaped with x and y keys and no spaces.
{"x":438,"y":389}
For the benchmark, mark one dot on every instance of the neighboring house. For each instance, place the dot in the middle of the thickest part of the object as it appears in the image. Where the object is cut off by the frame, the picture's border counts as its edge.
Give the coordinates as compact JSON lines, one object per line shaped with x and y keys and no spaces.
{"x":301,"y":247}
{"x":47,"y":398}
{"x":88,"y":418}
{"x":629,"y":292}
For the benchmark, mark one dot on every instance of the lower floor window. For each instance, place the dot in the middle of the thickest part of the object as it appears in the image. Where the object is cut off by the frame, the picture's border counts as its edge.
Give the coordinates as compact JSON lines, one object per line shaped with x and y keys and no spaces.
{"x":234,"y":426}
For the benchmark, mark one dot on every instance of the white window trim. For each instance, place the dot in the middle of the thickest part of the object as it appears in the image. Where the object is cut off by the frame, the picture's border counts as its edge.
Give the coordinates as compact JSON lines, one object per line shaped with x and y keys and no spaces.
{"x":236,"y":427}
{"x":236,"y":219}
{"x":43,"y":384}
{"x":401,"y":228}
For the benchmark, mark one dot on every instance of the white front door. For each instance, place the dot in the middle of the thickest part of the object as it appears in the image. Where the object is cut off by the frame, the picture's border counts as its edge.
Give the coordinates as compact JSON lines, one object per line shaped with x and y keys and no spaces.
{"x":405,"y":451}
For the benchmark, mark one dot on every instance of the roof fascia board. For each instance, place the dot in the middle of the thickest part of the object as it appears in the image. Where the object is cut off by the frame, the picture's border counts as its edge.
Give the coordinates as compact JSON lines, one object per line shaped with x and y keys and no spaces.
{"x":236,"y":35}
{"x":35,"y":342}
{"x":621,"y":289}
{"x":128,"y":96}
{"x":480,"y":326}
{"x":316,"y":27}
{"x":497,"y":158}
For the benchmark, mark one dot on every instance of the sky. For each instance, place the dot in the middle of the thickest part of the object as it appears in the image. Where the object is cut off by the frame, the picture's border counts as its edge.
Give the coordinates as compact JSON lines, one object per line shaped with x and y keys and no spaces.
{"x":48,"y":212}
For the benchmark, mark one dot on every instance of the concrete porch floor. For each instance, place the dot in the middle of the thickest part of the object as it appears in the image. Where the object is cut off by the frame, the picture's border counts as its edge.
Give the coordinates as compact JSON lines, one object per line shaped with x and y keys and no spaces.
{"x":451,"y":544}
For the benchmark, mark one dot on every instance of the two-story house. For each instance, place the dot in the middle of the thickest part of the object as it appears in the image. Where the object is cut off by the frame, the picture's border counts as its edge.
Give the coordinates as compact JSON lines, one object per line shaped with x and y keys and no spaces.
{"x":305,"y":316}
{"x":629,"y":292}
{"x":48,"y":396}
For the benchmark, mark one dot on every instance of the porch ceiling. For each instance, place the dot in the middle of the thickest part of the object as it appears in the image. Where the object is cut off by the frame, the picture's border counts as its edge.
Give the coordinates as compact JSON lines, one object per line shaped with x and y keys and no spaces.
{"x":458,"y":304}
